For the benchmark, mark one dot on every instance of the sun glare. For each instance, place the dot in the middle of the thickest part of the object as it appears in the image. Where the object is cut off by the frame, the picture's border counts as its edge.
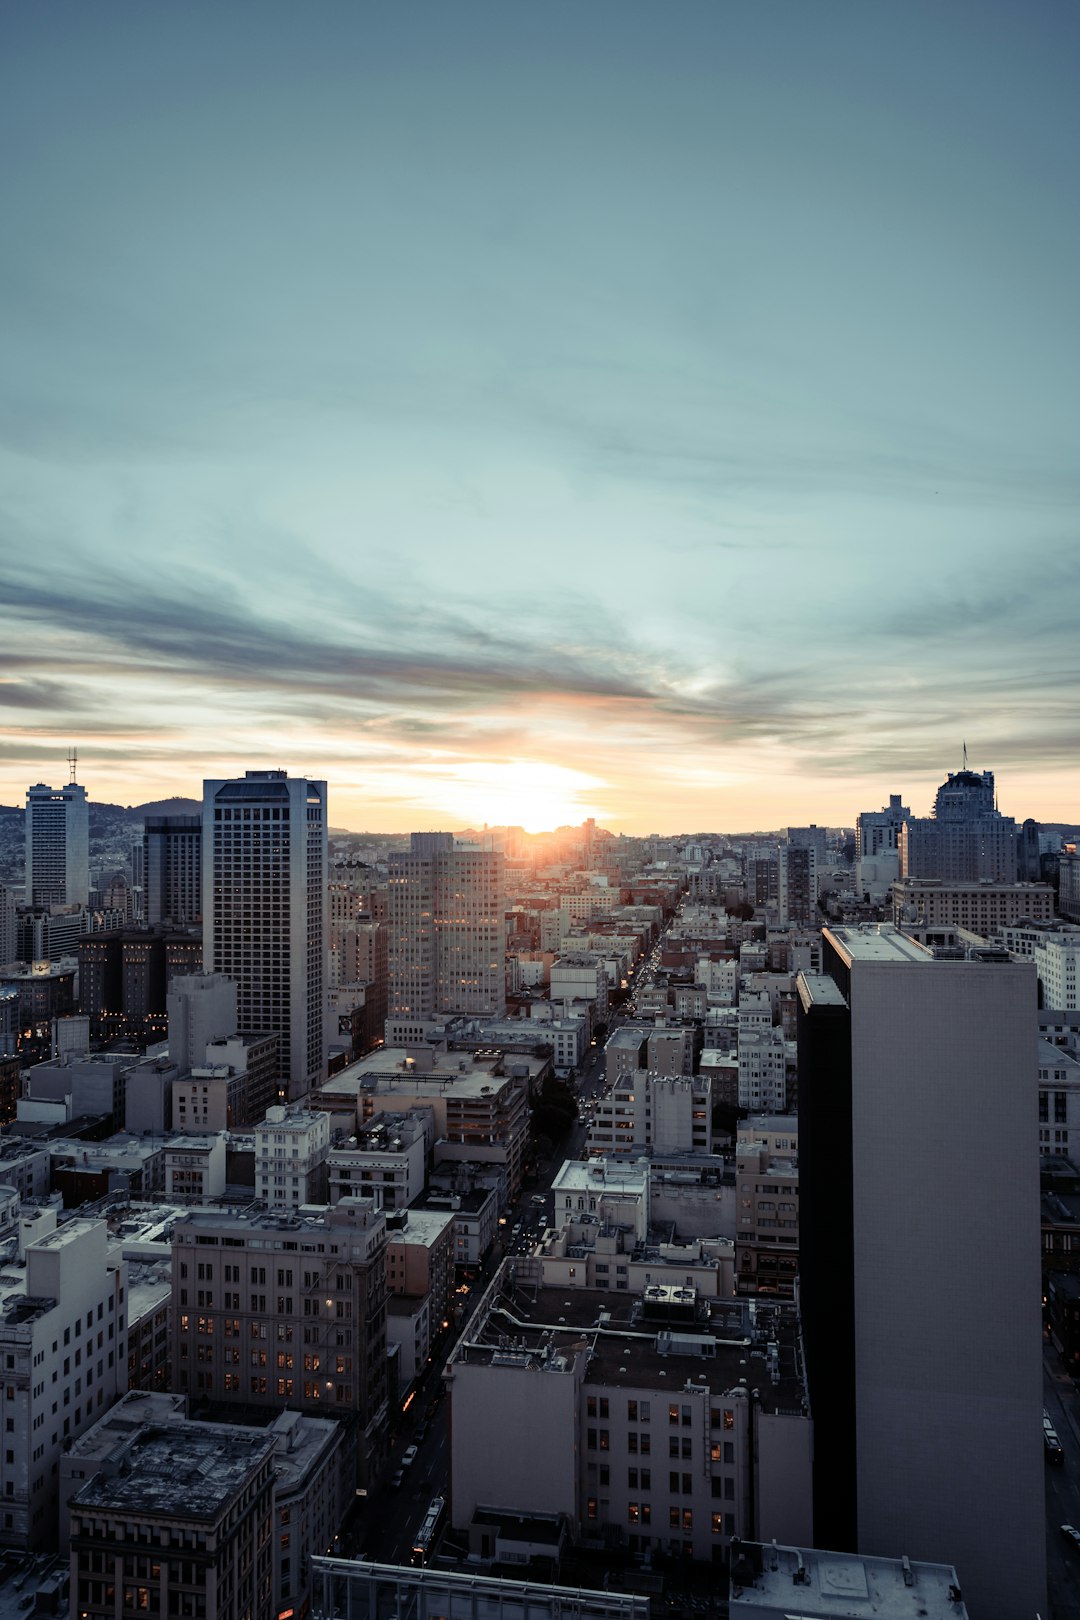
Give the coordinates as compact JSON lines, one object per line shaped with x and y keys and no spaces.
{"x":515,"y":793}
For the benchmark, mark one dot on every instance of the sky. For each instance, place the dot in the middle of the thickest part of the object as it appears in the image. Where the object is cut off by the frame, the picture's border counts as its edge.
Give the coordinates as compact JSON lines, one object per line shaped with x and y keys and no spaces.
{"x":515,"y":413}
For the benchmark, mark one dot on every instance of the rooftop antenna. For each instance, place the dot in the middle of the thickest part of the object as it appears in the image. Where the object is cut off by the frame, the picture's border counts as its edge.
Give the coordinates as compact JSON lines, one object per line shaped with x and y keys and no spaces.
{"x":73,"y":760}
{"x":965,"y":756}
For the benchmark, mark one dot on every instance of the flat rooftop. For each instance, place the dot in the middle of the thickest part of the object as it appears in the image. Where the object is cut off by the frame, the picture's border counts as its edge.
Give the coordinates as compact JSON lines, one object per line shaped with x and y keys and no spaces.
{"x":460,"y":1072}
{"x":179,"y":1471}
{"x":878,"y":942}
{"x":817,"y":1585}
{"x":718,"y":1344}
{"x":599,"y":1176}
{"x":422,"y":1226}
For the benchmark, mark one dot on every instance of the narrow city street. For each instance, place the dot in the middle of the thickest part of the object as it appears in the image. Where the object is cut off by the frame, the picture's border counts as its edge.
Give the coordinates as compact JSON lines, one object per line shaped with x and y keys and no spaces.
{"x":1062,"y":1403}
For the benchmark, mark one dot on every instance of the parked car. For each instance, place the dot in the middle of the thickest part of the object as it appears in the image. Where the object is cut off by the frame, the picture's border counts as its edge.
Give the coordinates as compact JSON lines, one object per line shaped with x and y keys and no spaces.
{"x":408,"y":1456}
{"x":1071,"y":1534}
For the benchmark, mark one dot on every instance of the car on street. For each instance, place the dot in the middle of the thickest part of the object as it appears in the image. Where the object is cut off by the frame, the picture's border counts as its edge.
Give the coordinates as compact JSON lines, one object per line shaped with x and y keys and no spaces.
{"x":408,"y":1456}
{"x":1071,"y":1534}
{"x":397,"y":1479}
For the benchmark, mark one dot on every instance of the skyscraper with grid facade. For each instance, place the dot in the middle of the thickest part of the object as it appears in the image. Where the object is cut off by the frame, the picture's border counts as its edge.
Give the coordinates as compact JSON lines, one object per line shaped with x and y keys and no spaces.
{"x":264,"y":897}
{"x":57,"y":846}
{"x":446,"y":912}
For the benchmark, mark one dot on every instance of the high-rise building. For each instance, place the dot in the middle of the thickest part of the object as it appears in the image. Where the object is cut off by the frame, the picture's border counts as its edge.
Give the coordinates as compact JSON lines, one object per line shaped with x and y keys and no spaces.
{"x":877,"y":848}
{"x":264,"y":896}
{"x":878,"y":831}
{"x":797,"y":882}
{"x":967,"y":839}
{"x":1069,"y":879}
{"x":446,"y":929}
{"x":909,"y":1271}
{"x":7,"y":925}
{"x":57,"y":846}
{"x":172,"y":869}
{"x":812,"y":837}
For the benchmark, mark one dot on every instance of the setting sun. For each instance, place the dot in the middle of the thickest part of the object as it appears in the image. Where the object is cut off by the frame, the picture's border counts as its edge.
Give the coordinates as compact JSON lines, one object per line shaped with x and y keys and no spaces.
{"x":516,"y":793}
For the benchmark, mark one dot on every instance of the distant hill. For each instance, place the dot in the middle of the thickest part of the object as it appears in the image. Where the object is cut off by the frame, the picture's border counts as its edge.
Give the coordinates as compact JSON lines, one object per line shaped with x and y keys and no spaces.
{"x":166,"y":807}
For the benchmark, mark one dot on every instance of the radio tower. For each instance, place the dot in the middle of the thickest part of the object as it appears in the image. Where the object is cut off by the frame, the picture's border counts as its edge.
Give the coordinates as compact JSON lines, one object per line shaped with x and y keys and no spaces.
{"x":73,"y":760}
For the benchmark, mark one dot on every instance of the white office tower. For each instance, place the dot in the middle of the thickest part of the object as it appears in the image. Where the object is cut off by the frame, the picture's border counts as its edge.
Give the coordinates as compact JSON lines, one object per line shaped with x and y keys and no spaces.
{"x":446,"y":913}
{"x":264,"y":896}
{"x":920,"y":1264}
{"x":57,"y":846}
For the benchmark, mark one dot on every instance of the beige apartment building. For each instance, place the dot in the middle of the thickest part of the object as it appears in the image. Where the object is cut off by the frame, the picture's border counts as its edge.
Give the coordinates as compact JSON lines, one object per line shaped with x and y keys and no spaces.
{"x":982,"y":908}
{"x":480,"y":1100}
{"x":276,"y":1310}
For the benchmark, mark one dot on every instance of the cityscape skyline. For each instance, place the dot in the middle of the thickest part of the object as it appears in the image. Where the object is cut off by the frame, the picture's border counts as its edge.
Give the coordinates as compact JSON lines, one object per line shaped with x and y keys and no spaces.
{"x":462,"y":828}
{"x":667,"y":420}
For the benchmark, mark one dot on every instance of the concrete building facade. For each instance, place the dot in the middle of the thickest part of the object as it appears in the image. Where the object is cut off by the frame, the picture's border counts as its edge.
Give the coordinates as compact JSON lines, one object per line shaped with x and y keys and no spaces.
{"x":172,"y":869}
{"x":264,"y":897}
{"x":446,"y":929}
{"x":63,"y":1361}
{"x":903,"y":1054}
{"x":57,"y":846}
{"x":273,"y":1310}
{"x":291,"y":1146}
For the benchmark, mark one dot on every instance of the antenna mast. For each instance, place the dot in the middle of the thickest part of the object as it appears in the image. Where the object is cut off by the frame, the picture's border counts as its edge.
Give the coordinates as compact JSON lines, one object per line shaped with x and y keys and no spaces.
{"x":73,"y":760}
{"x":965,"y":756}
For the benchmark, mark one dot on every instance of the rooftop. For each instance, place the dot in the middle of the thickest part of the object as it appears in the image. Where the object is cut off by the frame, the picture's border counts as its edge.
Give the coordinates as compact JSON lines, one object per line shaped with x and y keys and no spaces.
{"x":458,"y":1072}
{"x":878,"y":942}
{"x":179,"y":1471}
{"x":599,"y":1176}
{"x":421,"y":1226}
{"x":821,"y":1585}
{"x":664,"y":1339}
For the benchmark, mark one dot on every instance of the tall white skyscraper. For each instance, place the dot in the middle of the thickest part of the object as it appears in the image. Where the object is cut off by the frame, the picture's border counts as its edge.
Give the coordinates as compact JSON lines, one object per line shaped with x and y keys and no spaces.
{"x":57,"y":846}
{"x":446,"y":916}
{"x":264,"y":854}
{"x":920,"y":1260}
